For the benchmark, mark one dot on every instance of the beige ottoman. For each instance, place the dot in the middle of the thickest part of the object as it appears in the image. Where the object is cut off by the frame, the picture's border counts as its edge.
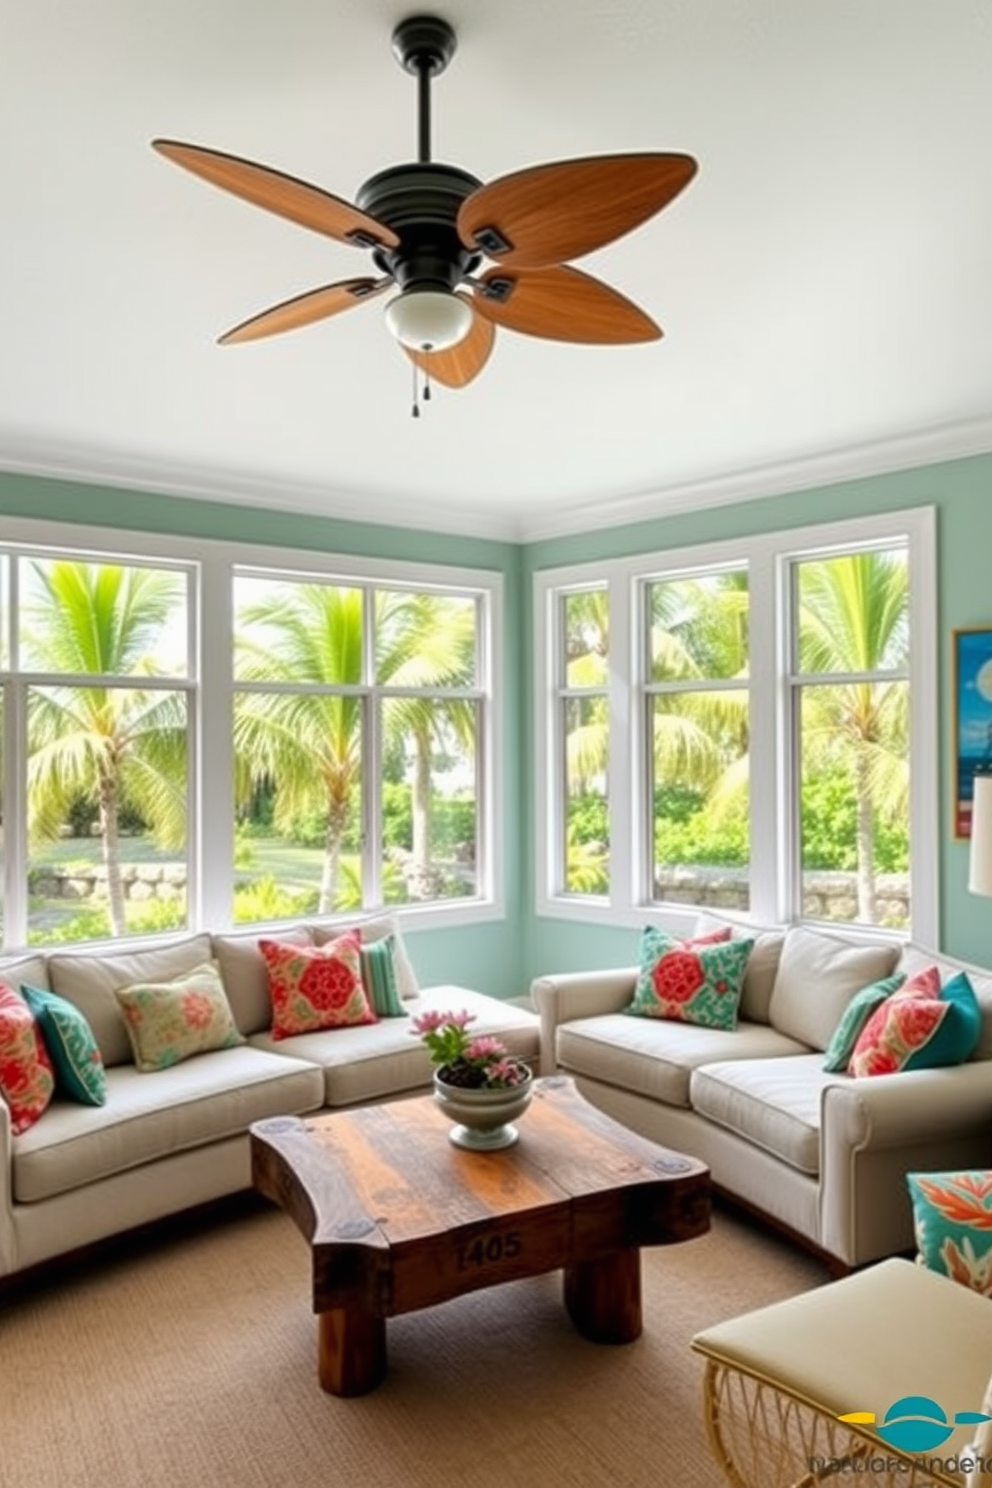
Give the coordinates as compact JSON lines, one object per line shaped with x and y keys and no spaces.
{"x":777,"y":1380}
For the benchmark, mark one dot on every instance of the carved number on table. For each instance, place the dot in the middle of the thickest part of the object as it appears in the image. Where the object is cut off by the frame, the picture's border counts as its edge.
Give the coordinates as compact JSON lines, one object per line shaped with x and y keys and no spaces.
{"x":487,"y":1252}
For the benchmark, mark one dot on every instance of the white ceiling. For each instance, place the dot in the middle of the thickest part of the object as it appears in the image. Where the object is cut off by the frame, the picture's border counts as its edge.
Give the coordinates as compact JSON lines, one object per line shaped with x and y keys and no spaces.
{"x":825,"y":283}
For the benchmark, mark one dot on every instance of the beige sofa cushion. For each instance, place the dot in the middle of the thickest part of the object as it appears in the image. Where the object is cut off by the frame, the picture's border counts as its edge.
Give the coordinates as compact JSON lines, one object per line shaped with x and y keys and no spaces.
{"x":377,"y":1060}
{"x":203,"y":1100}
{"x":89,"y":979}
{"x":654,"y":1057}
{"x":773,"y":1103}
{"x":889,"y":1331}
{"x":245,"y":974}
{"x":817,"y":976}
{"x":31,"y":971}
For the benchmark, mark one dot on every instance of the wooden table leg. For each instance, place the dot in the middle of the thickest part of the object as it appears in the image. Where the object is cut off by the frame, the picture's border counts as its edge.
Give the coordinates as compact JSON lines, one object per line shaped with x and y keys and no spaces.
{"x":352,"y":1350}
{"x":603,"y":1297}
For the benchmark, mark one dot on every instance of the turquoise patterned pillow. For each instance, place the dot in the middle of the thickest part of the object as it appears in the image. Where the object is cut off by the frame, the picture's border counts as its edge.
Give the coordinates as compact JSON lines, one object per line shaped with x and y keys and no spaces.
{"x":379,"y":978}
{"x":854,"y":1018}
{"x":952,"y":1214}
{"x":68,"y":1037}
{"x":690,"y":981}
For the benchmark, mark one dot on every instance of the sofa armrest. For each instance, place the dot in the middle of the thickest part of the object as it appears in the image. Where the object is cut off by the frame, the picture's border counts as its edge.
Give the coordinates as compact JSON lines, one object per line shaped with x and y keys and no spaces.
{"x":562,"y":997}
{"x":874,"y":1131}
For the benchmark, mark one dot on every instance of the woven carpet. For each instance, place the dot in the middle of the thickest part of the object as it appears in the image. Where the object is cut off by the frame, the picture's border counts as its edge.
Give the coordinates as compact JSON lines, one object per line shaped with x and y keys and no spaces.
{"x":189,"y":1358}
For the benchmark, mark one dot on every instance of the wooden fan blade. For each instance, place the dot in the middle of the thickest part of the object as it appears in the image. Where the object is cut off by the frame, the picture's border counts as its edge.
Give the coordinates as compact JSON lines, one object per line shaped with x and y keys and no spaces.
{"x":555,"y":212}
{"x":282,"y":194}
{"x":304,"y":309}
{"x":457,"y":366}
{"x":562,"y":304}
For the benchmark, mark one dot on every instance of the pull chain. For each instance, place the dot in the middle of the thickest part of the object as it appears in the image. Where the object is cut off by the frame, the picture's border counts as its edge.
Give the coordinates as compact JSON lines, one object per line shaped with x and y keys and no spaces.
{"x":416,"y":407}
{"x":427,"y":387}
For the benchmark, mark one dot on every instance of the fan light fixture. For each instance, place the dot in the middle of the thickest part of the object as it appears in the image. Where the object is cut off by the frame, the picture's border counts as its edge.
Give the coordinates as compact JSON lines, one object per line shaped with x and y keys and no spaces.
{"x":428,"y":319}
{"x":430,"y":228}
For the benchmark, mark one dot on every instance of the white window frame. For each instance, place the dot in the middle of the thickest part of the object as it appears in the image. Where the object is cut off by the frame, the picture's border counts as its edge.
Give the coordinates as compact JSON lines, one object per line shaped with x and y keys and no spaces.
{"x":211,"y":766}
{"x":773,"y":871}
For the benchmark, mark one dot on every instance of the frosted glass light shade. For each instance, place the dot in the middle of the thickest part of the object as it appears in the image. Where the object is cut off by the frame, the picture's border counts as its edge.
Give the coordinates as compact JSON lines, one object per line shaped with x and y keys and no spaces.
{"x":980,"y":870}
{"x":428,"y":319}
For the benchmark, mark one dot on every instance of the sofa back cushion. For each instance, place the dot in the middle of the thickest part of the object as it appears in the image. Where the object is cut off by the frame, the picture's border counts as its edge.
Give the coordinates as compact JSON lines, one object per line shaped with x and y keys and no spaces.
{"x":246,"y":976}
{"x":916,"y":958}
{"x":817,"y":976}
{"x":762,"y":964}
{"x":89,"y":979}
{"x":17,"y":970}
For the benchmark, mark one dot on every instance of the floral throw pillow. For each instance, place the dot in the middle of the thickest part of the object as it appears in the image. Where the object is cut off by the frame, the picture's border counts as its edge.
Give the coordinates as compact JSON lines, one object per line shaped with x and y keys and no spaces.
{"x":170,"y":1021}
{"x":68,"y":1037}
{"x":952,"y":1216}
{"x":690,"y":981}
{"x":316,"y":987}
{"x":922,"y":1026}
{"x":27,"y":1081}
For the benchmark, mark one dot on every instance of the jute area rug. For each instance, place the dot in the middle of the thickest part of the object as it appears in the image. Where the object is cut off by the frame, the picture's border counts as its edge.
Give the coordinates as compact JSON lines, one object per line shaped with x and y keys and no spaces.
{"x":189,"y":1358}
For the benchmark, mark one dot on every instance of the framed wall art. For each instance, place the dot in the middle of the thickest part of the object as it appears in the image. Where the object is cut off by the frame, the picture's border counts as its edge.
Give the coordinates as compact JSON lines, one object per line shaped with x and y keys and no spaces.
{"x":972,"y":702}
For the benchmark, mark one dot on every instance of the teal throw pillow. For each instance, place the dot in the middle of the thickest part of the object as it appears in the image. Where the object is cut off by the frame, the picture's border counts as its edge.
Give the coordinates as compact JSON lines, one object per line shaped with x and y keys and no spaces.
{"x":854,"y":1018}
{"x":956,"y":1038}
{"x":690,"y":981}
{"x":68,"y":1037}
{"x":379,"y":977}
{"x":952,"y":1216}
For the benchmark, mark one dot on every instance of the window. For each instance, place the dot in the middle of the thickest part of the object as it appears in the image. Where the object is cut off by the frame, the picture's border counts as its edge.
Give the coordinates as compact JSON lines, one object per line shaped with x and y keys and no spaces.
{"x":769,"y":706}
{"x":100,"y":691}
{"x":187,"y":739}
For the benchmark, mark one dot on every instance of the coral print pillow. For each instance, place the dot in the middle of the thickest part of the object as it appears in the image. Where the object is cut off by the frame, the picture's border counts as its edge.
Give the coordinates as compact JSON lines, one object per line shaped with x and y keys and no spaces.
{"x":27,"y":1081}
{"x":922,"y":1026}
{"x":952,"y":1214}
{"x":170,"y":1021}
{"x":315,"y":987}
{"x":692,"y":981}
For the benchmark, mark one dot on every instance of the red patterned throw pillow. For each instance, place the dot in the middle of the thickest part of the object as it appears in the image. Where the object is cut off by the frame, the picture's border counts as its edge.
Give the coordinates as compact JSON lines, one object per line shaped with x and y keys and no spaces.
{"x":316,"y":987}
{"x":922,"y":1026}
{"x":27,"y":1080}
{"x":692,"y":981}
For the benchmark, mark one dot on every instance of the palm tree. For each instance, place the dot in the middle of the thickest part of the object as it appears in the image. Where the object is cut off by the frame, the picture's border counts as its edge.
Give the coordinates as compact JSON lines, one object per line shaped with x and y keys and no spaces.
{"x":112,"y":741}
{"x":310,"y":636}
{"x":854,"y":624}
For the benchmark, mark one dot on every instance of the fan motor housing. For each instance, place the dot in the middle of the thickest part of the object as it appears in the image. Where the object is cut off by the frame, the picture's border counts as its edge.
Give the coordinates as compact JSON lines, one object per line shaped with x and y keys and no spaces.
{"x":420,"y":202}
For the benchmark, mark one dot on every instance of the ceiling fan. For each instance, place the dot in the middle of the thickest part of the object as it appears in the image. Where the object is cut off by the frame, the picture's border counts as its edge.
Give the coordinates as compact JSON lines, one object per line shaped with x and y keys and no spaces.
{"x":430,"y":228}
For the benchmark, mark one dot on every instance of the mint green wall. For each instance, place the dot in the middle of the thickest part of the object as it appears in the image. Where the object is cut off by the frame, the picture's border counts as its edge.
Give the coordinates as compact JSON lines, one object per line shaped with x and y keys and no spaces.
{"x":487,"y":956}
{"x":501,"y":957}
{"x":961,"y":492}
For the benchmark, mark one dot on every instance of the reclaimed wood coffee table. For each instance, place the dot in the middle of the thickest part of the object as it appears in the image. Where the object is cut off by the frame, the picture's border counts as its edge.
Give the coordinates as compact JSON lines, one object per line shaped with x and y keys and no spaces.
{"x":398,"y":1218}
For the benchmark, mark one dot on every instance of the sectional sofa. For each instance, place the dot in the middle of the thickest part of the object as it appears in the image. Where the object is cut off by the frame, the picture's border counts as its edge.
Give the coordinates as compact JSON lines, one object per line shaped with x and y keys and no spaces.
{"x":822,"y":1154}
{"x":167,"y":1140}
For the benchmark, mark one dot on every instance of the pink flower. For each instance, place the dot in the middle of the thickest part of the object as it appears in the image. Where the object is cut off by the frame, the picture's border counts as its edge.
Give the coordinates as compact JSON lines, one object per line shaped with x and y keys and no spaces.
{"x":434,"y":1019}
{"x":485,"y":1048}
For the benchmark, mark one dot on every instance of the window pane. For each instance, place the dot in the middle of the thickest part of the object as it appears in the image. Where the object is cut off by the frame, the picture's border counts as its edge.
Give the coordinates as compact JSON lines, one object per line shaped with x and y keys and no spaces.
{"x":425,"y":640}
{"x":102,"y":619}
{"x":298,"y":759}
{"x":586,"y":815}
{"x":585,"y":631}
{"x":854,"y":787}
{"x":429,"y":799}
{"x":107,"y":820}
{"x":287,"y":631}
{"x":700,"y":798}
{"x":854,"y":612}
{"x":699,"y":627}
